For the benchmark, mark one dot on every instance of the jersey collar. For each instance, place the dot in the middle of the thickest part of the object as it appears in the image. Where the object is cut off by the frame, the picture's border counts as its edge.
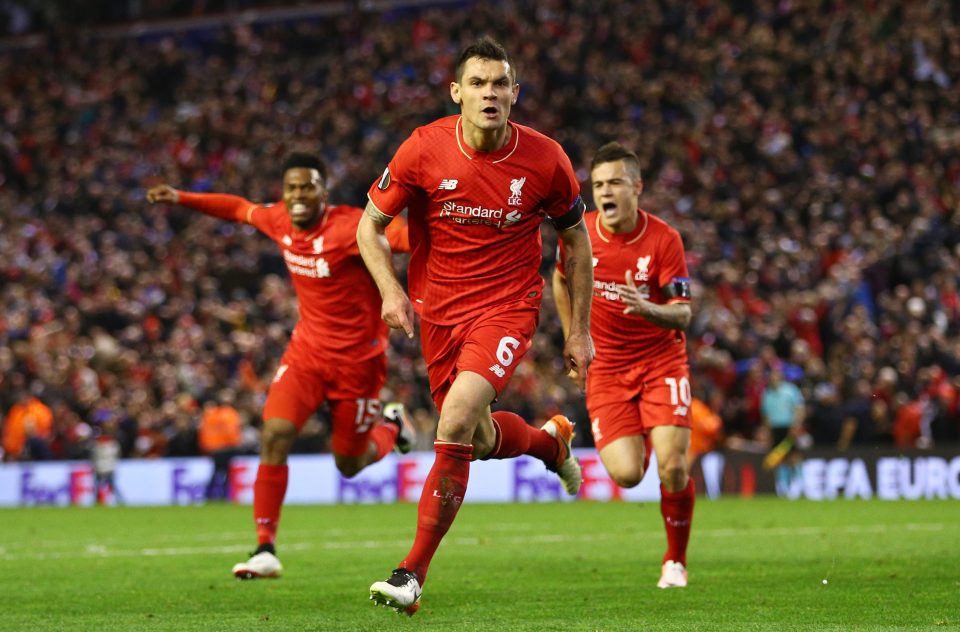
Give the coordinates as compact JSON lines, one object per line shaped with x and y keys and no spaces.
{"x":493,"y":156}
{"x":624,"y":238}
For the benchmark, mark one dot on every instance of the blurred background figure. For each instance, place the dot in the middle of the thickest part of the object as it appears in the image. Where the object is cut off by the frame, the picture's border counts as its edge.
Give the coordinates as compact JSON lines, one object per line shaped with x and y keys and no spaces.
{"x":104,"y":456}
{"x":220,"y":436}
{"x":27,"y":429}
{"x":784,"y":412}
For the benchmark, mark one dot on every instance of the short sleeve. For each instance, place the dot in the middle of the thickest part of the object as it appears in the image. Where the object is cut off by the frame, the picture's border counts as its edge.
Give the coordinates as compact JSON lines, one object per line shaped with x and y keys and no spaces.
{"x":263,"y":218}
{"x":396,"y":187}
{"x":673,"y":268}
{"x":564,"y":196}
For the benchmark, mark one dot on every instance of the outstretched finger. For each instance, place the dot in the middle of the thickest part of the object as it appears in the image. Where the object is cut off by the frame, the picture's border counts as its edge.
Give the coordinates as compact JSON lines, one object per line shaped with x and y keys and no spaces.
{"x":405,"y":323}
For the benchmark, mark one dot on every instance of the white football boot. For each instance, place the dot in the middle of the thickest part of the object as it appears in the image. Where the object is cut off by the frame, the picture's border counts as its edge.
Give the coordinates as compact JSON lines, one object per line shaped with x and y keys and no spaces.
{"x":567,"y":466}
{"x":672,"y":575}
{"x":264,"y":564}
{"x":394,"y":413}
{"x":401,"y":592}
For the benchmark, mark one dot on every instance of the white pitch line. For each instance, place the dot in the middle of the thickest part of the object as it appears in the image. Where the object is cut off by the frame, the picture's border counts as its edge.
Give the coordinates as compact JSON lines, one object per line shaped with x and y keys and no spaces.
{"x":102,"y":551}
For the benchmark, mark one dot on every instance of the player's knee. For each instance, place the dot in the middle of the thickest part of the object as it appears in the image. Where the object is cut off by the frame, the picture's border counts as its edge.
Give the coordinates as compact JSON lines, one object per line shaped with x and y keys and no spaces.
{"x":627,"y":477}
{"x":277,"y":431}
{"x":673,"y":476}
{"x":456,"y":426}
{"x":276,"y":439}
{"x":348,"y":466}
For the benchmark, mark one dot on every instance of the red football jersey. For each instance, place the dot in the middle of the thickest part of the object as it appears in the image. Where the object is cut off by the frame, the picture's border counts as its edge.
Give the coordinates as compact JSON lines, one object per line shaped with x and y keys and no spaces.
{"x":339,"y":303}
{"x":474,"y":217}
{"x":653,"y":253}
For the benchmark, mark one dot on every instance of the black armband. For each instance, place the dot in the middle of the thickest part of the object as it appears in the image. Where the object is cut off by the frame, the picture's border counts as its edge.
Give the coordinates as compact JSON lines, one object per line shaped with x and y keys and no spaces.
{"x":678,"y":287}
{"x":572,"y":217}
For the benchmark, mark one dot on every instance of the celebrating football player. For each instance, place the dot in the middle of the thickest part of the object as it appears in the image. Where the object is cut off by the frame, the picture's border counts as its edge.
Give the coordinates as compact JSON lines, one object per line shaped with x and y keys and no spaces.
{"x":638,"y":389}
{"x":477,"y":187}
{"x":337,"y":352}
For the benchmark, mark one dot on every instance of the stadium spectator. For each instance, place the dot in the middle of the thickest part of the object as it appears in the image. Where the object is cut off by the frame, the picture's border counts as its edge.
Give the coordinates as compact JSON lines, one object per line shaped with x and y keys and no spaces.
{"x":638,"y":389}
{"x":474,"y":278}
{"x":335,"y":355}
{"x":27,"y":430}
{"x":807,"y":153}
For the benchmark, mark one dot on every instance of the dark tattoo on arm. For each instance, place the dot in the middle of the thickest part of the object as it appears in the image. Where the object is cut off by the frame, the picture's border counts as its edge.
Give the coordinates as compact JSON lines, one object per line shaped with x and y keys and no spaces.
{"x":377,"y":217}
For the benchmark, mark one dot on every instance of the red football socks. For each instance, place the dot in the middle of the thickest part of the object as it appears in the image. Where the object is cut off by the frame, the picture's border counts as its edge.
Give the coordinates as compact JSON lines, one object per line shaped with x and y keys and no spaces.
{"x":515,"y":437}
{"x":442,"y":495}
{"x":677,"y":510}
{"x":384,"y":437}
{"x":268,"y":491}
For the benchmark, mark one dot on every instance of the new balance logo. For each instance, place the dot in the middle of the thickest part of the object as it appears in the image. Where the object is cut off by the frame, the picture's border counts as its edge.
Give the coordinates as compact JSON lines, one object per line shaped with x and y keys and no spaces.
{"x":498,"y":370}
{"x":680,"y":411}
{"x":280,"y":371}
{"x":448,"y":184}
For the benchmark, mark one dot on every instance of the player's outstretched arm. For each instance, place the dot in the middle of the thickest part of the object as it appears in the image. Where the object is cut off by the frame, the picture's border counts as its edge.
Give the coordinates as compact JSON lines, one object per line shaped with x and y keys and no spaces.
{"x":396,"y":311}
{"x":670,"y":316}
{"x":578,"y":269}
{"x":229,"y":207}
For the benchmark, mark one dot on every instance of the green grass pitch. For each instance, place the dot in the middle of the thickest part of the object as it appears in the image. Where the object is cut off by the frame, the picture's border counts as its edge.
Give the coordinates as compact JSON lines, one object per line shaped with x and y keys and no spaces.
{"x":754,"y":565}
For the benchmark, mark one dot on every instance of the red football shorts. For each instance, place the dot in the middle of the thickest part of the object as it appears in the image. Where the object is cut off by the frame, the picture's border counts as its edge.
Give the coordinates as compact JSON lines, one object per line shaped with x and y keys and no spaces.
{"x":490,"y":345}
{"x":352,"y":391}
{"x":632,"y":402}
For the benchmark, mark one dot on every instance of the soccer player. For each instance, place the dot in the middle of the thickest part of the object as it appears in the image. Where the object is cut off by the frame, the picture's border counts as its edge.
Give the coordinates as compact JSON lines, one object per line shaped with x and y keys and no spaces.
{"x":337,"y":352}
{"x":477,"y":187}
{"x":638,"y":389}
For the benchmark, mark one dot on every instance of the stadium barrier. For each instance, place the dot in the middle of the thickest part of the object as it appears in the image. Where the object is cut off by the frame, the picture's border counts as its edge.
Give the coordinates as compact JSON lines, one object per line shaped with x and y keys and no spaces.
{"x":314,"y":479}
{"x":883,"y":473}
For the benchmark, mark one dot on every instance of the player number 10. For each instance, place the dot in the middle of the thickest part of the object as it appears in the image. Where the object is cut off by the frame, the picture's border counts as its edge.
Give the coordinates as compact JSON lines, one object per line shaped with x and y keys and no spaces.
{"x":682,"y":389}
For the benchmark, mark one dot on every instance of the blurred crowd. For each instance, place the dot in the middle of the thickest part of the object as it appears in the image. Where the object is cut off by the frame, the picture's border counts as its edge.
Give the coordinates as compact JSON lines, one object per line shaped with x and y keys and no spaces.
{"x":807,"y":151}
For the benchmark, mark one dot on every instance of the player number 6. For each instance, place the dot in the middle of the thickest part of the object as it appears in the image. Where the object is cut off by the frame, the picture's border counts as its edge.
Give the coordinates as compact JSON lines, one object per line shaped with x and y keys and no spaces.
{"x":505,"y":350}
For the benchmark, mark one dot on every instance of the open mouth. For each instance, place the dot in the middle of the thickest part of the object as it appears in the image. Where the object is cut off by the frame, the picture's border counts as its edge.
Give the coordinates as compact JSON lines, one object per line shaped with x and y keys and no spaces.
{"x":490,"y":112}
{"x":299,"y":208}
{"x":609,"y":208}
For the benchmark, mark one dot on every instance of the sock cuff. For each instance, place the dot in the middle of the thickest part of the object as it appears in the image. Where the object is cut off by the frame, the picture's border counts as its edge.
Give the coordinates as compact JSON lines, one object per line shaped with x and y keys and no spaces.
{"x":462,"y":451}
{"x":273,"y":472}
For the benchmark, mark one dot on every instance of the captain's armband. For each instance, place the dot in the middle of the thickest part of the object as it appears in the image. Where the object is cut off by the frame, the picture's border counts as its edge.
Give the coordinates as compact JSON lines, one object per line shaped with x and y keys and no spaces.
{"x":678,"y":287}
{"x":572,"y":217}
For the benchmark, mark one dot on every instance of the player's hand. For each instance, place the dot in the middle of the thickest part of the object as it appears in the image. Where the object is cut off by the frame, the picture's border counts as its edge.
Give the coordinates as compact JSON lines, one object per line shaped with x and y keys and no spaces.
{"x":163,"y":194}
{"x":397,"y":311}
{"x":577,"y":355}
{"x":630,"y":294}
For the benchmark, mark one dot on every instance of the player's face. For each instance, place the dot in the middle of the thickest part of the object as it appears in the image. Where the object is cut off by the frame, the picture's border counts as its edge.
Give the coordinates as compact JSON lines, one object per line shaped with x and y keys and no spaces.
{"x":616,"y":192}
{"x":304,"y":195}
{"x":485,"y":92}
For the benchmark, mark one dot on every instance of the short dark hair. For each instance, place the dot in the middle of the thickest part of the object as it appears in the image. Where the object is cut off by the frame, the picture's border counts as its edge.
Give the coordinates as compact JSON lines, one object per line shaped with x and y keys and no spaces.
{"x":484,"y":48}
{"x":612,"y":152}
{"x":303,"y":160}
